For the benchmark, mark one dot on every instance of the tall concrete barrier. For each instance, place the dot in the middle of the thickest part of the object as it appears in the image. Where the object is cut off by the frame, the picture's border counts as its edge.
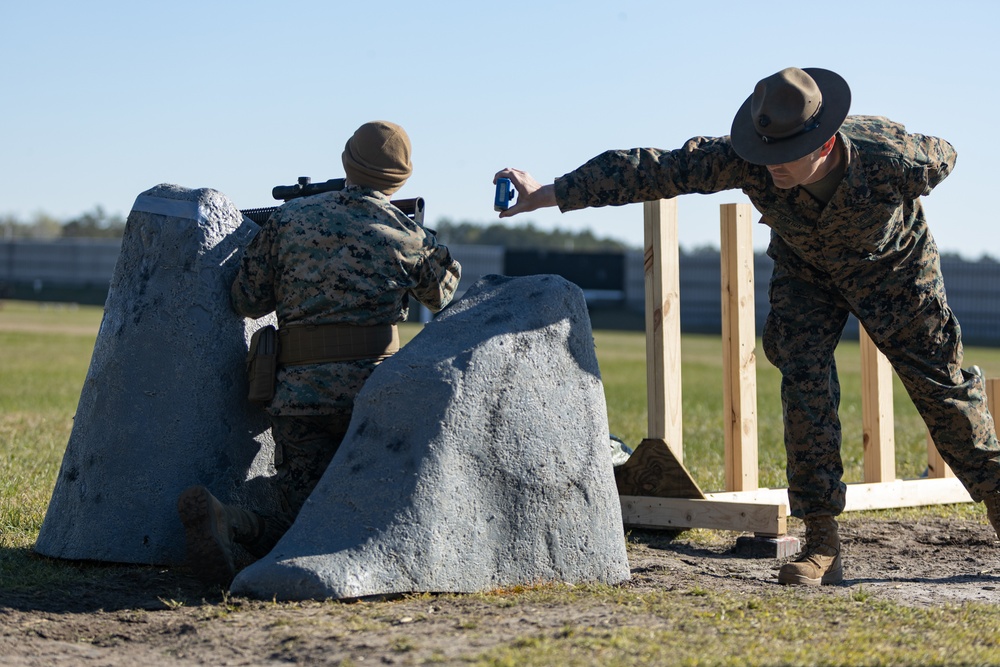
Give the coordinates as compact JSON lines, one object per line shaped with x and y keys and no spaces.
{"x":164,"y":402}
{"x":477,"y":457}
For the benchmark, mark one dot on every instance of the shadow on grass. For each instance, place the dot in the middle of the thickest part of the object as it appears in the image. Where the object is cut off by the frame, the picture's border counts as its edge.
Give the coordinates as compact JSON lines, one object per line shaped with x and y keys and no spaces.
{"x":31,"y":582}
{"x":673,"y":541}
{"x":981,"y":579}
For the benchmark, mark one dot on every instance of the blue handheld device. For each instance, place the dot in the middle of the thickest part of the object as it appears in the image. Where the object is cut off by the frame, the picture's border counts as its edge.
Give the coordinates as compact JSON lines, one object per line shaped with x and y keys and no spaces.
{"x":501,"y":202}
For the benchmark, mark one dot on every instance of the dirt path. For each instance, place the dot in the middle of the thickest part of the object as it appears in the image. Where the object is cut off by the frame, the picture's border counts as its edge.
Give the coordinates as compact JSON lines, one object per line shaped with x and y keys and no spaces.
{"x":151,"y":616}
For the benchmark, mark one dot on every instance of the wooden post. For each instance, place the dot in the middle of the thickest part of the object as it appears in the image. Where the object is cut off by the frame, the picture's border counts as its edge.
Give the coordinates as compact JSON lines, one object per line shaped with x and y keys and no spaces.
{"x":744,"y":509}
{"x":739,"y":339}
{"x":876,"y":412}
{"x":663,"y":324}
{"x":993,"y":400}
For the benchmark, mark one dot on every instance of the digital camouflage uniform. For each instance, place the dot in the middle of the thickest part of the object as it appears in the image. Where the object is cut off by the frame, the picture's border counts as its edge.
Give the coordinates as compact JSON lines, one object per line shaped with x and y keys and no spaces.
{"x":346,"y":257}
{"x":869,"y":252}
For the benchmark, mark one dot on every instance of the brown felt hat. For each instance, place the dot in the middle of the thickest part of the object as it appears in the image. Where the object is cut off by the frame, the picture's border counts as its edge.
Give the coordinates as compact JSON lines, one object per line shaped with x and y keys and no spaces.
{"x":790,"y":114}
{"x":378,"y":156}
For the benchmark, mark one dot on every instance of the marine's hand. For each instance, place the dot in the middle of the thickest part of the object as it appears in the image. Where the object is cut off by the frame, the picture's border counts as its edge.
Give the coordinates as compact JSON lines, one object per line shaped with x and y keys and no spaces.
{"x":531,"y":195}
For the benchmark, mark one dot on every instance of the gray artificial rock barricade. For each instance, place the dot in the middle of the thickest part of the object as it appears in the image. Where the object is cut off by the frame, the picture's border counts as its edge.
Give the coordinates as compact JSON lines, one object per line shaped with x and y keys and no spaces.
{"x":164,"y":402}
{"x":477,"y":457}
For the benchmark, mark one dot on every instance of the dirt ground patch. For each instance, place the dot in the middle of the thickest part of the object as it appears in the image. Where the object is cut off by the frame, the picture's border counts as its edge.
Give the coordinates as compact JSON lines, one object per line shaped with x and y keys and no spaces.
{"x":156,"y":616}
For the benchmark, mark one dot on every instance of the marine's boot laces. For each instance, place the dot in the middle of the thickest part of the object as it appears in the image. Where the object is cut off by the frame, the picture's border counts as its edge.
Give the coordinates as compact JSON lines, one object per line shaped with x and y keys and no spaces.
{"x":819,"y":563}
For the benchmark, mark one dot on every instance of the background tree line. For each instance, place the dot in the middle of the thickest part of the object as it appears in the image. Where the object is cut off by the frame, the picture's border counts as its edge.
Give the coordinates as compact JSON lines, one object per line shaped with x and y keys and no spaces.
{"x":99,"y":224}
{"x":93,"y":224}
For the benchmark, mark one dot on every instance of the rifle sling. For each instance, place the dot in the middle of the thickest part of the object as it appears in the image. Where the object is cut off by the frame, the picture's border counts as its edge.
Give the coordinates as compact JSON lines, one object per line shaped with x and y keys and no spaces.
{"x":322,"y":343}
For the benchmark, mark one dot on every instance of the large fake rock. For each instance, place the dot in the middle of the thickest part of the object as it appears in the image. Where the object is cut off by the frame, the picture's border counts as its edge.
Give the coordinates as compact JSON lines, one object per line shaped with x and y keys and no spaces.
{"x":164,"y":403}
{"x":477,"y":458}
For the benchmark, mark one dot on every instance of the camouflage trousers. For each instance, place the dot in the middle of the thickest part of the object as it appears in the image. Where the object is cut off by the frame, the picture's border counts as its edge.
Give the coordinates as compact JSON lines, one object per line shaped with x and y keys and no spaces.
{"x":805,"y":323}
{"x":303,"y":449}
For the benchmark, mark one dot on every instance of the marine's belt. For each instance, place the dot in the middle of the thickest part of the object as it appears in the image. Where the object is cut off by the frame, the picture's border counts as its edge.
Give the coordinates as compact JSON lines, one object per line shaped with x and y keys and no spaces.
{"x":321,"y":343}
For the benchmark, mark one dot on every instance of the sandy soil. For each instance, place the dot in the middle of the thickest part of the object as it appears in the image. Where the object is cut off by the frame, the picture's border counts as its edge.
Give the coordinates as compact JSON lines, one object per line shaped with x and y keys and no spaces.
{"x":154,"y":616}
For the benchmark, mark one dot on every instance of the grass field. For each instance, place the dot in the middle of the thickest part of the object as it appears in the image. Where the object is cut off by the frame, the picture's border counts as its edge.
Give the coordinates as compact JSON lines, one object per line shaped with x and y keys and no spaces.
{"x":46,"y":352}
{"x":47,"y":348}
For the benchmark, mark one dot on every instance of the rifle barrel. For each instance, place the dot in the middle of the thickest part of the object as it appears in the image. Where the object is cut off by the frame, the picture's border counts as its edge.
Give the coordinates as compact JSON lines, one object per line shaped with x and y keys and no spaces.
{"x":412,"y":208}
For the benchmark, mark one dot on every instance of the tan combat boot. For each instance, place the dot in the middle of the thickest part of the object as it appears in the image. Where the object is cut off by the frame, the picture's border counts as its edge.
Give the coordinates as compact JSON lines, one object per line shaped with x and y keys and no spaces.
{"x":992,"y":503}
{"x":210,"y":529}
{"x":819,"y":563}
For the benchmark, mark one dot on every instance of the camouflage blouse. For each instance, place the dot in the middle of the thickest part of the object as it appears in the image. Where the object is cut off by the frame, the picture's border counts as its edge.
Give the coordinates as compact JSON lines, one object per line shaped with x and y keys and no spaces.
{"x":870,"y":242}
{"x":346,"y":257}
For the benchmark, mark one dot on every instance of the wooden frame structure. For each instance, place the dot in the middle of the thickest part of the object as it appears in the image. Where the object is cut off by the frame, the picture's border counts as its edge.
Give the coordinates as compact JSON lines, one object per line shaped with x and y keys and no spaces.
{"x":743,"y":506}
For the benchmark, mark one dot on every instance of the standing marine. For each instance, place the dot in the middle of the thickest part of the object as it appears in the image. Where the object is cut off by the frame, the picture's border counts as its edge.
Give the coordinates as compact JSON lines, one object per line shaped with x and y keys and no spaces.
{"x":841,"y":195}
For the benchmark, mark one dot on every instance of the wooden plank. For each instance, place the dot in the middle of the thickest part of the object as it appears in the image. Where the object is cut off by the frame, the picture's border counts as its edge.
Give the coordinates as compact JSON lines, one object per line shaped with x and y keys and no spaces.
{"x":663,"y":324}
{"x":862,"y":496}
{"x":739,"y":339}
{"x":876,"y":412}
{"x":676,"y":513}
{"x":653,"y":470}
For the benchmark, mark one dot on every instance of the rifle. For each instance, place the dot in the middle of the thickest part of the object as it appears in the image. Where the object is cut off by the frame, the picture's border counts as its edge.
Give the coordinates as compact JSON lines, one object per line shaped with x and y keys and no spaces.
{"x":413,"y":208}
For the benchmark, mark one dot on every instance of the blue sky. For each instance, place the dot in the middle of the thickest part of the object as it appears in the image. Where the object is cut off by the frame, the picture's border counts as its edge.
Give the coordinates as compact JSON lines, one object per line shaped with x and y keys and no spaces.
{"x":104,"y":100}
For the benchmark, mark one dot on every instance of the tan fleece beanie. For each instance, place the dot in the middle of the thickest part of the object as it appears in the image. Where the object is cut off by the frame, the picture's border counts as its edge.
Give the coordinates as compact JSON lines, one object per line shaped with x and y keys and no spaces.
{"x":378,"y":156}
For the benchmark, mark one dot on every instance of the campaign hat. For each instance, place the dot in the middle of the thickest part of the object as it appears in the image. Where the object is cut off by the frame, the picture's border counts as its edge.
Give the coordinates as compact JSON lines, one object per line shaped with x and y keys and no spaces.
{"x":789,"y":115}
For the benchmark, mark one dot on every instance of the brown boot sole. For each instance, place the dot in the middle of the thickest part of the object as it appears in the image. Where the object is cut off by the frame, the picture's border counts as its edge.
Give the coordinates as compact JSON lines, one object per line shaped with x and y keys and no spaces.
{"x":207,"y":555}
{"x":833,"y":576}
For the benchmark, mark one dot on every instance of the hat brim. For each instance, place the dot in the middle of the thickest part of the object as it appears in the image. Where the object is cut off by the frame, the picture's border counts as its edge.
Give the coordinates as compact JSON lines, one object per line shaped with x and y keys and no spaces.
{"x":836,"y":102}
